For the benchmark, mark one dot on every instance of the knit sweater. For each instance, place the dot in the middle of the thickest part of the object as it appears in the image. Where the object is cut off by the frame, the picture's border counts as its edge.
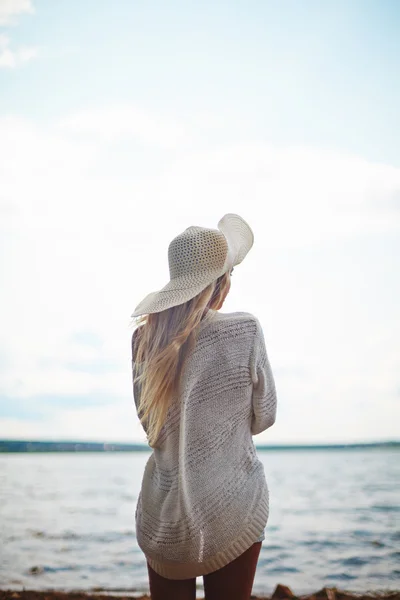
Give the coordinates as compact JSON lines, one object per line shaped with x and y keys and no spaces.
{"x":204,"y":497}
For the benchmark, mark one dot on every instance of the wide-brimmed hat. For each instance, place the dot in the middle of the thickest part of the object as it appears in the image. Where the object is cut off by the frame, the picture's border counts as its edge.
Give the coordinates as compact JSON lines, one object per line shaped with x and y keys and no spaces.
{"x":197,"y":257}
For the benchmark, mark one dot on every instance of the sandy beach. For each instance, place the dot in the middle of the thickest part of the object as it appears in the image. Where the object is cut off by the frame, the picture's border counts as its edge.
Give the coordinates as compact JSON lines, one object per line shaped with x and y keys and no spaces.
{"x":281,"y":593}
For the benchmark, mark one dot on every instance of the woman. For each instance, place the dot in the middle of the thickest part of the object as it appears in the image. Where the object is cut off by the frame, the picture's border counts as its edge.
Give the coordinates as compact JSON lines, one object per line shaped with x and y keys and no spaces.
{"x":203,"y":387}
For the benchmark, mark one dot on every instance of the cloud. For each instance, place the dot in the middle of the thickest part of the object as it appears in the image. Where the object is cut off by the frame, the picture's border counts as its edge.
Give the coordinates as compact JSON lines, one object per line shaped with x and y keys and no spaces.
{"x":11,"y":9}
{"x":87,"y":338}
{"x":11,"y":59}
{"x":37,"y":406}
{"x":86,"y":218}
{"x":108,"y":423}
{"x":125,"y":122}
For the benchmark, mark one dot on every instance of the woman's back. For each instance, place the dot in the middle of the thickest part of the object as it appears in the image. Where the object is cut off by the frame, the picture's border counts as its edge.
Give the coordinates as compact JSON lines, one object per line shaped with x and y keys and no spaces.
{"x":204,"y":498}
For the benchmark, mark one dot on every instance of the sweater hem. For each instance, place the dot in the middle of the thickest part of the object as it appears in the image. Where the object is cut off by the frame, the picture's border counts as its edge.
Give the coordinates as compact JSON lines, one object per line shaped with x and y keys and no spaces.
{"x":184,"y":570}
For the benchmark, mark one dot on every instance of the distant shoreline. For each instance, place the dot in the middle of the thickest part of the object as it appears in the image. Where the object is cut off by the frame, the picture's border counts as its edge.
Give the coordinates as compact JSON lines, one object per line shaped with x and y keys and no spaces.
{"x":31,"y":446}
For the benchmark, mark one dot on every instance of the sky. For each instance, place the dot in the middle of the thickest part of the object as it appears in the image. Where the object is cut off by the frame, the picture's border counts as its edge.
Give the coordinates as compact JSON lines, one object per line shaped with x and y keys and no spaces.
{"x":124,"y":122}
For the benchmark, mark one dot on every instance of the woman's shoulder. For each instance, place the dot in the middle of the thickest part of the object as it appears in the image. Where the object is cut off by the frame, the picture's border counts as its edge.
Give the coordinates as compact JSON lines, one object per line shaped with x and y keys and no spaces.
{"x":233,"y":320}
{"x":134,"y":339}
{"x":240,"y":316}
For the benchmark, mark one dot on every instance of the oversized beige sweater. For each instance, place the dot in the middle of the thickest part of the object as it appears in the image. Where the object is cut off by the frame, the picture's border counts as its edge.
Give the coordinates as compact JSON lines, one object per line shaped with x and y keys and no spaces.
{"x":204,"y":497}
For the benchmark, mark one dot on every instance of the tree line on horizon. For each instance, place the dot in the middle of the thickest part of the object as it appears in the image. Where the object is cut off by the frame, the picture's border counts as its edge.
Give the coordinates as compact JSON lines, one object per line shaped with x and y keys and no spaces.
{"x":62,"y":446}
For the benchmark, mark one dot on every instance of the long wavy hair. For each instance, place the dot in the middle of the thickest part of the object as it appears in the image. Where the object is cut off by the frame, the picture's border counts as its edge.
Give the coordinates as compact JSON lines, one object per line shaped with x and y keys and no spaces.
{"x":161,"y":343}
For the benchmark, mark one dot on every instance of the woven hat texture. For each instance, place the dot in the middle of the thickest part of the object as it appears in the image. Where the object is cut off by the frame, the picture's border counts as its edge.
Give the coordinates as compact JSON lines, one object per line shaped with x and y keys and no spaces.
{"x":197,"y":257}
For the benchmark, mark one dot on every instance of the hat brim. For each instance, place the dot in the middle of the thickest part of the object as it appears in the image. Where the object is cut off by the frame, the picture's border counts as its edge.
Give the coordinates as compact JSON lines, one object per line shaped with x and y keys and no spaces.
{"x":239,"y":236}
{"x":177,"y":291}
{"x":240,"y":239}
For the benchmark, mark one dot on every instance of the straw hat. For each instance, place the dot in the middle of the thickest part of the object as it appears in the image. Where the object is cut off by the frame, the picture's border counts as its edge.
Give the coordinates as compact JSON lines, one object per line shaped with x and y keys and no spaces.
{"x":197,"y":257}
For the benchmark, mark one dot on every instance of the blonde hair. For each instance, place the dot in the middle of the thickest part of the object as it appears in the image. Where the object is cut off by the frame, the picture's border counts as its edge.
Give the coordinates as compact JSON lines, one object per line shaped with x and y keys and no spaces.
{"x":160,"y":345}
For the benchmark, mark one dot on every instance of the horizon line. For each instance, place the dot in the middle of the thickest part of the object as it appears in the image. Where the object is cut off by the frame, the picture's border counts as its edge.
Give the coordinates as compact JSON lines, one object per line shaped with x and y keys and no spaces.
{"x":145,"y":446}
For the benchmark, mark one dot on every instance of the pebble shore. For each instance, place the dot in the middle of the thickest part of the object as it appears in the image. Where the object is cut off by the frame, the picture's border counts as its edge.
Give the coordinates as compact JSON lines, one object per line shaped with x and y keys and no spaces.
{"x":281,"y":592}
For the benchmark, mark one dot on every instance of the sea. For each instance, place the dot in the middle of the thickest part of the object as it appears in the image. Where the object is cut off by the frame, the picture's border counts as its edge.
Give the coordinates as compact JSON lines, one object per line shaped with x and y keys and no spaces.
{"x":67,"y":521}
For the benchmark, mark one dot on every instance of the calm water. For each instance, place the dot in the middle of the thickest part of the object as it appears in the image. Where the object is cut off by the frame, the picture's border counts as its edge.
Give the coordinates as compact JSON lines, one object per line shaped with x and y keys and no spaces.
{"x":67,"y":521}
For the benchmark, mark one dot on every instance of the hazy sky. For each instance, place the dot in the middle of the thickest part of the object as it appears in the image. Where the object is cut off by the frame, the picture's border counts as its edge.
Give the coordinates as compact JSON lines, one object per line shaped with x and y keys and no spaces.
{"x":124,"y":122}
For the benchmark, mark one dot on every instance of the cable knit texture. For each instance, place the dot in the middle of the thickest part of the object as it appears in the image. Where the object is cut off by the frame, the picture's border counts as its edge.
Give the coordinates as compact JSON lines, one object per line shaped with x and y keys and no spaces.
{"x":204,"y":496}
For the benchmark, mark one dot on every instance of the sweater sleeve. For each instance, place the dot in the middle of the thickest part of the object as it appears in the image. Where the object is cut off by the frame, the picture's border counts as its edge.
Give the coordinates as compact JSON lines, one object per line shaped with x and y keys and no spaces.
{"x":264,"y":392}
